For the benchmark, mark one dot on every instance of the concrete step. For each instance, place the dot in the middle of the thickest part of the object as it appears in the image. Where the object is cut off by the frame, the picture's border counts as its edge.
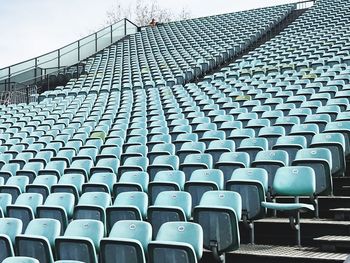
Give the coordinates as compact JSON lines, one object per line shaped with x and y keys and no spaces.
{"x":334,"y":243}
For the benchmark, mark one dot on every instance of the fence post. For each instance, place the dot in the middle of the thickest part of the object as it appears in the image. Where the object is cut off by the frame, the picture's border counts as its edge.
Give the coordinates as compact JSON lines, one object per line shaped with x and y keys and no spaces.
{"x":96,"y":42}
{"x":111,"y":27}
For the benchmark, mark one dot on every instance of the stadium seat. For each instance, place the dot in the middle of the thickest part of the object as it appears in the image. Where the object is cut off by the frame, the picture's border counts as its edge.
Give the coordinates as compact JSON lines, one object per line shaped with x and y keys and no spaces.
{"x":80,"y":241}
{"x":24,"y":207}
{"x":127,"y":242}
{"x":169,"y":206}
{"x":131,"y":181}
{"x":9,"y":229}
{"x":59,"y":206}
{"x":225,"y":209}
{"x":38,"y":240}
{"x":203,"y":180}
{"x":177,"y":241}
{"x":127,"y":206}
{"x":294,"y":181}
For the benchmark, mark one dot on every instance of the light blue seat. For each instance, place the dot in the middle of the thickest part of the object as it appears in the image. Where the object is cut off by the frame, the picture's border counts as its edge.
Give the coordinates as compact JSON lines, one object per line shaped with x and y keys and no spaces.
{"x":127,"y":206}
{"x":9,"y":229}
{"x":163,"y":163}
{"x":133,"y":164}
{"x":294,"y":181}
{"x":169,"y":206}
{"x":217,"y":147}
{"x":69,"y":183}
{"x":203,"y":180}
{"x":80,"y":241}
{"x":100,"y":182}
{"x":42,"y":185}
{"x":231,"y":161}
{"x":335,"y":142}
{"x":38,"y":240}
{"x":59,"y":206}
{"x":177,"y":241}
{"x":290,"y":144}
{"x":252,"y":185}
{"x":24,"y":207}
{"x":131,"y":181}
{"x":225,"y":209}
{"x":252,"y":146}
{"x":5,"y":200}
{"x":193,"y":162}
{"x":15,"y":186}
{"x":20,"y":260}
{"x":127,"y":242}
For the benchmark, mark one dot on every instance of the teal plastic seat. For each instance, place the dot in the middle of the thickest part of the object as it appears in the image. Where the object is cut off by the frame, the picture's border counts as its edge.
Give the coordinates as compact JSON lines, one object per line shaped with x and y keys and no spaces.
{"x":42,"y":185}
{"x":161,"y":149}
{"x":133,"y":164}
{"x":166,"y":181}
{"x":270,"y":161}
{"x":127,"y":242}
{"x":217,"y":147}
{"x":163,"y":163}
{"x":100,"y":181}
{"x":127,"y":206}
{"x":252,"y":146}
{"x":342,"y":127}
{"x":231,"y":161}
{"x":8,"y":170}
{"x":70,"y":183}
{"x":177,"y":241}
{"x":24,"y":207}
{"x":335,"y":142}
{"x":131,"y":181}
{"x":20,"y":260}
{"x":290,"y":144}
{"x":188,"y":148}
{"x":81,"y":241}
{"x":38,"y":240}
{"x":59,"y":206}
{"x":252,"y":185}
{"x":193,"y":162}
{"x":294,"y":181}
{"x":225,"y":209}
{"x":5,"y":200}
{"x":80,"y":165}
{"x":169,"y":206}
{"x":9,"y":229}
{"x":203,"y":180}
{"x":54,"y":167}
{"x":92,"y":205}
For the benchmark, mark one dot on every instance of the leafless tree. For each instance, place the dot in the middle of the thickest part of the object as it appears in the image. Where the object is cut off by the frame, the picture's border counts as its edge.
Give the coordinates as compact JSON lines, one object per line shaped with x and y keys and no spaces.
{"x":143,"y":11}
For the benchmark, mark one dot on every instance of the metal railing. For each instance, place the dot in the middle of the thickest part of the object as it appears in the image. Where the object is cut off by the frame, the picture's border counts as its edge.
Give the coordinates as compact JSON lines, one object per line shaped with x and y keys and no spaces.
{"x":63,"y":58}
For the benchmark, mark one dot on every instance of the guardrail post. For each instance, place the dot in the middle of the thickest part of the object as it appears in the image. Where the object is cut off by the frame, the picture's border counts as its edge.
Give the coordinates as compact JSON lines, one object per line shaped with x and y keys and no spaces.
{"x":111,"y":27}
{"x":78,"y":50}
{"x":96,"y":42}
{"x":58,"y":58}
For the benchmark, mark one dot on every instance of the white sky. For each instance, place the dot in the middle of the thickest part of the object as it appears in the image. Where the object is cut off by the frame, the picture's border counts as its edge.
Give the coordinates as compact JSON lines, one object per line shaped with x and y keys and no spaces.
{"x":29,"y":28}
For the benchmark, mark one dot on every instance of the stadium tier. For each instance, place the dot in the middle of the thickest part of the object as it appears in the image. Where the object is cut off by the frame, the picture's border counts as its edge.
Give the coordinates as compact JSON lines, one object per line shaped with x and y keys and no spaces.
{"x":215,"y":139}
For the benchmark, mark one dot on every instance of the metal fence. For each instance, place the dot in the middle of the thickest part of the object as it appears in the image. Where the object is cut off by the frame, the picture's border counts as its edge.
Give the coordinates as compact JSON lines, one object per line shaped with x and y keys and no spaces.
{"x":33,"y":70}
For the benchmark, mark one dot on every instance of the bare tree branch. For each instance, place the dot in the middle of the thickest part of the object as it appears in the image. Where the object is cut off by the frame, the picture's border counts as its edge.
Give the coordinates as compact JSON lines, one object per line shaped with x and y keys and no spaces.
{"x":143,"y":12}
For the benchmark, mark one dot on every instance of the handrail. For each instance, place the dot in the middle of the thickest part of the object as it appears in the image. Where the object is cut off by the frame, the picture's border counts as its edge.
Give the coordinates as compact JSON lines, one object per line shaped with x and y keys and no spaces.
{"x":60,"y":58}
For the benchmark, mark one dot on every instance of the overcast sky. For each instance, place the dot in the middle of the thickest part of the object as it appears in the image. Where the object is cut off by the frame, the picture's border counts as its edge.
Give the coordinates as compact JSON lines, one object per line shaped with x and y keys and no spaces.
{"x":30,"y":28}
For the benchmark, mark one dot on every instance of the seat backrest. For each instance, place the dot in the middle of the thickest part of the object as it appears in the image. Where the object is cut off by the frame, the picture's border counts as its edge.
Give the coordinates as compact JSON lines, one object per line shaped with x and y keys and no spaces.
{"x":295,"y":181}
{"x":175,"y":176}
{"x":181,"y":200}
{"x":208,"y":175}
{"x":183,"y":232}
{"x":135,"y":199}
{"x":86,"y":228}
{"x":100,"y":199}
{"x":133,"y":229}
{"x":11,"y":227}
